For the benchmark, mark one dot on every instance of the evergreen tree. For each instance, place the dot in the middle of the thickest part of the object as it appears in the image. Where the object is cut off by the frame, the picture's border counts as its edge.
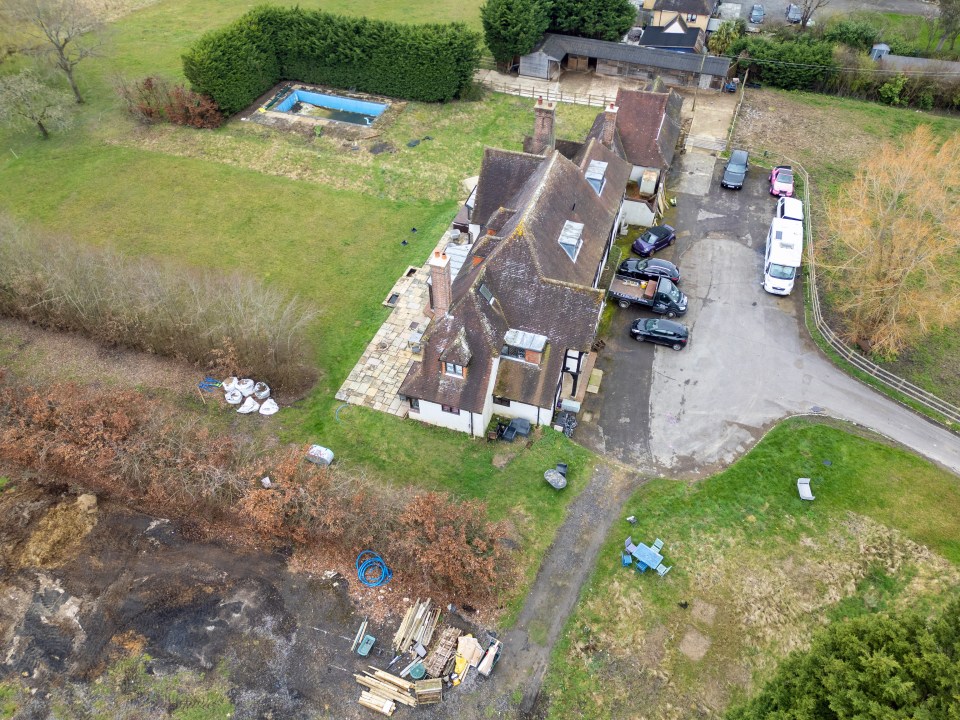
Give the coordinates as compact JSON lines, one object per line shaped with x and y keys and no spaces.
{"x":599,"y":19}
{"x":513,"y":27}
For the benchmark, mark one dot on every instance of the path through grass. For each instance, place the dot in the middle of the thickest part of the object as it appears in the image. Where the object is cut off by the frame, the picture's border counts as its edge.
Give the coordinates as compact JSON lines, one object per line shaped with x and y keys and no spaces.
{"x":757,"y":569}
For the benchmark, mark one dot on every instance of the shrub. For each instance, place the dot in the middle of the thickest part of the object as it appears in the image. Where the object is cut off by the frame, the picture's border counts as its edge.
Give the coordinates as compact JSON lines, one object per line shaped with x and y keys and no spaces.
{"x":154,"y":100}
{"x":794,"y":64}
{"x":231,"y":324}
{"x":855,"y":34}
{"x":140,"y":452}
{"x":236,"y":64}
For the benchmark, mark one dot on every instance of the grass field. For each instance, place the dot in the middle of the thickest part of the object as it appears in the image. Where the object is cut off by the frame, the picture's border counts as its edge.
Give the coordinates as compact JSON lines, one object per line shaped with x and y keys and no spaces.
{"x":758,"y":569}
{"x":312,"y":217}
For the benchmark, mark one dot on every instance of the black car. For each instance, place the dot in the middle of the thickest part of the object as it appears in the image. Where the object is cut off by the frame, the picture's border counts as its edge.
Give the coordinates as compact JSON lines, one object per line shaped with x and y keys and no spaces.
{"x":794,"y":14}
{"x":736,"y":170}
{"x":662,"y":332}
{"x":757,"y":14}
{"x":649,"y":269}
{"x":656,"y":238}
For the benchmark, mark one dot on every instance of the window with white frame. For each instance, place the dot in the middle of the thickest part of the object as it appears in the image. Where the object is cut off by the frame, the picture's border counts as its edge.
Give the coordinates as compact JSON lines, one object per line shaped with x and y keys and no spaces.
{"x":450,"y":409}
{"x":453,"y":369}
{"x":595,"y":175}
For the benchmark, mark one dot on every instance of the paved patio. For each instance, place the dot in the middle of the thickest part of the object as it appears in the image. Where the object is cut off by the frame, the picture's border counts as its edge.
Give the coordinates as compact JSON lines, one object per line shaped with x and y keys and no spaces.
{"x":375,"y":380}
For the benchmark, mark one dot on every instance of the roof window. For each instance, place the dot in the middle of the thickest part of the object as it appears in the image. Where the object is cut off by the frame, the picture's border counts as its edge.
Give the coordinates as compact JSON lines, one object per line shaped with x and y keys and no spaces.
{"x":571,"y":238}
{"x":595,"y":172}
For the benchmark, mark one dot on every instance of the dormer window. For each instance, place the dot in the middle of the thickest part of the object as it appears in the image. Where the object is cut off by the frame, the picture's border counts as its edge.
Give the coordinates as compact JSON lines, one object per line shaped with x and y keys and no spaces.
{"x":485,"y":291}
{"x":453,"y":369}
{"x":571,"y":238}
{"x":595,"y":175}
{"x":691,"y":17}
{"x":524,"y":346}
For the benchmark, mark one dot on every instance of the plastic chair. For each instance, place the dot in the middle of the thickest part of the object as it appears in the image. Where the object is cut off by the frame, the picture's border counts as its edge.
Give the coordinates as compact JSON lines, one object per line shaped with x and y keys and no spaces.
{"x":562,"y":469}
{"x":641,"y":566}
{"x":626,"y":558}
{"x":663,"y":569}
{"x":657,"y":544}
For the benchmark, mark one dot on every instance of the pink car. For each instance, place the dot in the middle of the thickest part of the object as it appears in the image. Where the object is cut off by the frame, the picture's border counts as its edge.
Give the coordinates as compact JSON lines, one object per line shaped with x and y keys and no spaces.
{"x":781,"y":181}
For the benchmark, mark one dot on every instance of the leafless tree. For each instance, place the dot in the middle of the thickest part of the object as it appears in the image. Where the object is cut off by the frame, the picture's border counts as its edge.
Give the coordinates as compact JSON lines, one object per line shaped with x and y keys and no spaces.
{"x":893,"y":244}
{"x":67,"y":31}
{"x":26,"y":100}
{"x":808,"y":8}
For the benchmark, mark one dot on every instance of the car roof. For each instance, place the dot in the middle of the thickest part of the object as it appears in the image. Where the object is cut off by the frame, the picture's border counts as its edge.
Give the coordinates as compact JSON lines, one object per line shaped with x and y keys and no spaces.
{"x":671,"y":326}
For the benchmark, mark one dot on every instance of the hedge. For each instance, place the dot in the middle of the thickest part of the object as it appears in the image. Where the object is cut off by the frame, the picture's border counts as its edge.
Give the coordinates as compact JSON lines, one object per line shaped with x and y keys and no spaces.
{"x":238,"y":63}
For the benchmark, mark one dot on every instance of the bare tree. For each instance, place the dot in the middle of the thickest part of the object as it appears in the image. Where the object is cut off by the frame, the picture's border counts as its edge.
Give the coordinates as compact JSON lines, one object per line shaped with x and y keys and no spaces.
{"x":949,"y":23}
{"x":894,"y":243}
{"x":26,"y":100}
{"x":66,"y":30}
{"x":808,"y":8}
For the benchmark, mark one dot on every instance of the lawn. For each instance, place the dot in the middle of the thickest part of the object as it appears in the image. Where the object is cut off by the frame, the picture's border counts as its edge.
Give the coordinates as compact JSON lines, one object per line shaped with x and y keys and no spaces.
{"x":757,"y":569}
{"x":311,"y":216}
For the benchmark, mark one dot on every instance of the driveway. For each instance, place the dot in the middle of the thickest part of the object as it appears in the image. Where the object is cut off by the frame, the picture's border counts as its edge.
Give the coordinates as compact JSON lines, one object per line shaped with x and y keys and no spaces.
{"x":750,"y":361}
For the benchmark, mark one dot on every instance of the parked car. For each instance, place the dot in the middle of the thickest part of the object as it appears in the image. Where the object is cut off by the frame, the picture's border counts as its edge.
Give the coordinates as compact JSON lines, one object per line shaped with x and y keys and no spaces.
{"x":649,"y":269}
{"x":757,"y":14}
{"x":794,"y":14}
{"x":656,"y":238}
{"x":736,"y":170}
{"x":661,"y":332}
{"x":781,"y":181}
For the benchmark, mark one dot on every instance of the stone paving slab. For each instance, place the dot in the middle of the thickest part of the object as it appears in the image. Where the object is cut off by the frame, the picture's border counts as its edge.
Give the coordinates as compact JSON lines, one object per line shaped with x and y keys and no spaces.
{"x":375,"y":380}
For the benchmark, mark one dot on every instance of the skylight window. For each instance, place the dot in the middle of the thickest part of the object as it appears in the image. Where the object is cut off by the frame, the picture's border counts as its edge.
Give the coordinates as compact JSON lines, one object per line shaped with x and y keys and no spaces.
{"x":595,"y":172}
{"x":571,"y":238}
{"x":485,"y":291}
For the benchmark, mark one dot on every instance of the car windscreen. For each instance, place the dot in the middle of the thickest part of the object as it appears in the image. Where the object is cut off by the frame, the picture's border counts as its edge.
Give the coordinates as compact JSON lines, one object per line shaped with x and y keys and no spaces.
{"x":785,"y":177}
{"x":781,"y":272}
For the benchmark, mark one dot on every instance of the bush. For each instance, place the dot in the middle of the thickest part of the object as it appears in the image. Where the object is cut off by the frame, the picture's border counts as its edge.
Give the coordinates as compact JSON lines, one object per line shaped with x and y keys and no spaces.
{"x":236,"y":64}
{"x":858,"y":35}
{"x":796,"y":64}
{"x":230,"y":324}
{"x":154,"y":100}
{"x":122,"y":445}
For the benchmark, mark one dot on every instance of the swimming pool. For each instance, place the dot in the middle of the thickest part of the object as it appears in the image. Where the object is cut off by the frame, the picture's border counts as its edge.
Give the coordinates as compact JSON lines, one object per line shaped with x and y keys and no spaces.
{"x":331,"y":107}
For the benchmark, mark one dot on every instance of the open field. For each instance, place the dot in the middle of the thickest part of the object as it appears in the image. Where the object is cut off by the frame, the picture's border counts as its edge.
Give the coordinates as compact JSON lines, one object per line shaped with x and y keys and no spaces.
{"x":313,"y":217}
{"x":757,"y":569}
{"x":831,"y":136}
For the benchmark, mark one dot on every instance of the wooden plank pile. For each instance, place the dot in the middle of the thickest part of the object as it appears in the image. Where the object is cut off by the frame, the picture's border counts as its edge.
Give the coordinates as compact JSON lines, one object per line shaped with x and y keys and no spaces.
{"x":384,"y":691}
{"x":442,"y":655}
{"x":417,"y":626}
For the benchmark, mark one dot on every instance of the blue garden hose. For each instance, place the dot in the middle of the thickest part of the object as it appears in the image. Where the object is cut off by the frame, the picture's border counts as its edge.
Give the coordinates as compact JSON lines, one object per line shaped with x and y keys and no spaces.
{"x":368,"y":560}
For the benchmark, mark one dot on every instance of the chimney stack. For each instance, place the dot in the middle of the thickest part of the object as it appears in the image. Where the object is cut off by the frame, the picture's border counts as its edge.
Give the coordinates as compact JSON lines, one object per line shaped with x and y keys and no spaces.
{"x":442,"y":287}
{"x":543,"y":138}
{"x":609,"y":125}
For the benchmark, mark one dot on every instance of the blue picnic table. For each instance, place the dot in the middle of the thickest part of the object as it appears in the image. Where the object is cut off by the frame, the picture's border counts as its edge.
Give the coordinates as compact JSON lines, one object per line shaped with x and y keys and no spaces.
{"x":646,"y":556}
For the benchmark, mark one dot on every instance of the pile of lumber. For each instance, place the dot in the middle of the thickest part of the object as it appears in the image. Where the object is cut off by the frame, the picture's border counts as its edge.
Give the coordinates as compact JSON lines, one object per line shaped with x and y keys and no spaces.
{"x":384,"y":691}
{"x":417,"y":626}
{"x":438,"y":660}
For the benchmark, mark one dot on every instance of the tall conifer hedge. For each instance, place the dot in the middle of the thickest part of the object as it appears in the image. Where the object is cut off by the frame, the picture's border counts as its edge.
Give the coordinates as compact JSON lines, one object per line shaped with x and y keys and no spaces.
{"x":237,"y":63}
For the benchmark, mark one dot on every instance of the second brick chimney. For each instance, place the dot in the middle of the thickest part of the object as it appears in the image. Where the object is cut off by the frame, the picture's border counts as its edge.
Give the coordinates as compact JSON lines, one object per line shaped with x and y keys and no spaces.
{"x":543,"y":137}
{"x":441,"y":294}
{"x":609,"y":124}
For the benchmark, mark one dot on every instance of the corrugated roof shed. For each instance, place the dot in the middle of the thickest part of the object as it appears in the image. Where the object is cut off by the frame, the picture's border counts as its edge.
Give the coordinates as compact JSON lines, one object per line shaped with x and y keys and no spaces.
{"x":558,"y":46}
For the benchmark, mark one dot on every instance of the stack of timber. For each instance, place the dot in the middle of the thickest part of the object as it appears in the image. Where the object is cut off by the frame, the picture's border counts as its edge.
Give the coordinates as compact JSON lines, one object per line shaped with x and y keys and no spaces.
{"x":441,"y":656}
{"x":417,"y":626}
{"x":384,"y":691}
{"x":429,"y":692}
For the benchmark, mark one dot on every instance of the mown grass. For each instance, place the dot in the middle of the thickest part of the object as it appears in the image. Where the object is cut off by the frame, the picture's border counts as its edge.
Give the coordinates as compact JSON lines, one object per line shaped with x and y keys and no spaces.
{"x":9,"y":700}
{"x":312,"y":218}
{"x":772,"y":567}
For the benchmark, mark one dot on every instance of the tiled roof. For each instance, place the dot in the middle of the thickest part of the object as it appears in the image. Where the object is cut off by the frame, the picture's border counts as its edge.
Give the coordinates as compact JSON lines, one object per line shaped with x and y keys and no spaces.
{"x":535,"y":285}
{"x":649,"y":126}
{"x":505,"y":172}
{"x":557,"y":46}
{"x":659,"y":38}
{"x":688,"y":7}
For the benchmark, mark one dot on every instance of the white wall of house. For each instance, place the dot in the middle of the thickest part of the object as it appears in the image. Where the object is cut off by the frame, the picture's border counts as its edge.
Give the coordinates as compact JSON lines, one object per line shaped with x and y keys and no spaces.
{"x":433,"y":414}
{"x":536,"y":415}
{"x":638,"y":213}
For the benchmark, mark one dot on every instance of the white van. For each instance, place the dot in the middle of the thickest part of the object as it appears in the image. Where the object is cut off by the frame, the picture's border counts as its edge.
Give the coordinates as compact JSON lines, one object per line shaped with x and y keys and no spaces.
{"x":784,"y":253}
{"x":790,"y":208}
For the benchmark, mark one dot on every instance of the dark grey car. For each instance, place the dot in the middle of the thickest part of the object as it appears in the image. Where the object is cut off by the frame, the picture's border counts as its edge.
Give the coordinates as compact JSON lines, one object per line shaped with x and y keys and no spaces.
{"x":757,"y":14}
{"x":663,"y":332}
{"x":794,"y":14}
{"x":736,"y":170}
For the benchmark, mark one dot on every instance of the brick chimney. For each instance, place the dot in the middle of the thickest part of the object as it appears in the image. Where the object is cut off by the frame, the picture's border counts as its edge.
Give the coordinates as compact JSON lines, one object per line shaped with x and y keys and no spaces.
{"x":609,"y":125}
{"x":441,"y":294}
{"x":543,"y":138}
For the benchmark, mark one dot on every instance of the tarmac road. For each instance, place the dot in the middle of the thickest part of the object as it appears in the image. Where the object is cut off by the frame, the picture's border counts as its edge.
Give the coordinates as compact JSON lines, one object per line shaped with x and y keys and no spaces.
{"x":750,"y":361}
